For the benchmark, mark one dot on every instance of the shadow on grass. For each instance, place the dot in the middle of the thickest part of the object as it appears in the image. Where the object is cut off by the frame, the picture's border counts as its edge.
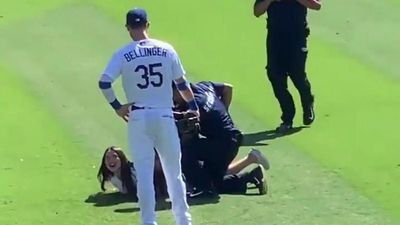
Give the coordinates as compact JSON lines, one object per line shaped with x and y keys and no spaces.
{"x":166,"y":205}
{"x":254,"y":139}
{"x":102,"y":199}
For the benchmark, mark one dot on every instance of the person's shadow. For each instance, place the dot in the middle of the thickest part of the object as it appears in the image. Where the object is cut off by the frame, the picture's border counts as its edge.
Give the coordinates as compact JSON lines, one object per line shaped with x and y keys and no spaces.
{"x":102,"y":199}
{"x":166,"y":205}
{"x":255,"y":139}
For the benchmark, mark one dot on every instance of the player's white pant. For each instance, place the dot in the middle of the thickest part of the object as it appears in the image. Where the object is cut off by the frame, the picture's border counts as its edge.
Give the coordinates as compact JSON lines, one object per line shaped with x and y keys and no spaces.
{"x":149,"y":128}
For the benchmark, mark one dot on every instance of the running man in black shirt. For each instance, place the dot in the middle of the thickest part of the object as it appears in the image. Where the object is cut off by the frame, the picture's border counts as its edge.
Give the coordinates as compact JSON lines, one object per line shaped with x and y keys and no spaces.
{"x":287,"y":54}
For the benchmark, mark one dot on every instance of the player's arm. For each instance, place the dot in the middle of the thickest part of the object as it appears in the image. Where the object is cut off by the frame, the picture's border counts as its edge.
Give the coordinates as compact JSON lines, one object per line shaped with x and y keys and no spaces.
{"x":186,"y":92}
{"x":311,"y":4}
{"x":224,"y":92}
{"x":110,"y":74}
{"x":261,"y":6}
{"x":183,"y":86}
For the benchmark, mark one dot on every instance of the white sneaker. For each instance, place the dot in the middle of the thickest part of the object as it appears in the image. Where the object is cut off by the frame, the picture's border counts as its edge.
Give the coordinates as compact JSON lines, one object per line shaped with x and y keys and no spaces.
{"x":261,"y":158}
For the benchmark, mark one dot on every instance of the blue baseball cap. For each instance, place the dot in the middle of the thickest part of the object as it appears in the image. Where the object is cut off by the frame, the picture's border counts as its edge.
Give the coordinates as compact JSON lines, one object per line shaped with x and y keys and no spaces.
{"x":136,"y":17}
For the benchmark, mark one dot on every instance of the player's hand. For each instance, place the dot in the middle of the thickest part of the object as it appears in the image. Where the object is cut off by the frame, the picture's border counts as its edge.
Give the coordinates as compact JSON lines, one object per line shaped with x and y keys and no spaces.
{"x":178,"y":115}
{"x":123,"y":112}
{"x":194,"y":112}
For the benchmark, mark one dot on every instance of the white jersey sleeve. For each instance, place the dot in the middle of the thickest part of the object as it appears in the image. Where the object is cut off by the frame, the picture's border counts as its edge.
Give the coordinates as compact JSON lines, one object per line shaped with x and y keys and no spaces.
{"x":114,"y":66}
{"x":177,"y":67}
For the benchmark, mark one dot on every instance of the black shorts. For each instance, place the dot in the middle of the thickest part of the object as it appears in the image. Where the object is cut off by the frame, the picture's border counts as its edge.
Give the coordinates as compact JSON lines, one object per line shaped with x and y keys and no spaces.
{"x":215,"y":151}
{"x":215,"y":156}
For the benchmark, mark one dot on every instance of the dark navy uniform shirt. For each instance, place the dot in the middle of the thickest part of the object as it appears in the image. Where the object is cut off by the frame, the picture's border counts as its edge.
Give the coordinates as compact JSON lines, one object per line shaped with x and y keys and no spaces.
{"x":215,"y":121}
{"x":286,"y":16}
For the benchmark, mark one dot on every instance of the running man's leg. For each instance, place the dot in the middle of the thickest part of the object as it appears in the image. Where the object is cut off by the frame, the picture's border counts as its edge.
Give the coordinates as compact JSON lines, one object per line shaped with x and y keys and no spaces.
{"x":298,"y":75}
{"x":277,"y":75}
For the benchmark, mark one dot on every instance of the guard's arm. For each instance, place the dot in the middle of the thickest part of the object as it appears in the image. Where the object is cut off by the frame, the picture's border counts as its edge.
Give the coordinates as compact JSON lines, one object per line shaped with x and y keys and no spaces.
{"x":311,"y":4}
{"x":224,"y":92}
{"x":187,"y":94}
{"x":226,"y":97}
{"x":261,"y":6}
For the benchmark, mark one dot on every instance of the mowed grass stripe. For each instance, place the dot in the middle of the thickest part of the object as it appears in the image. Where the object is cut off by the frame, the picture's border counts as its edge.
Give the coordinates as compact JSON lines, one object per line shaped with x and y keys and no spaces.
{"x":365,"y":29}
{"x":43,"y":69}
{"x":45,"y":175}
{"x":357,"y":133}
{"x":17,"y":11}
{"x":61,"y":63}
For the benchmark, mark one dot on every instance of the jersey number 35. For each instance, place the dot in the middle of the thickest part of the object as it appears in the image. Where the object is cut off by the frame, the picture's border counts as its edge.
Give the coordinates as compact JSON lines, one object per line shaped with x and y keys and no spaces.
{"x":150,"y":75}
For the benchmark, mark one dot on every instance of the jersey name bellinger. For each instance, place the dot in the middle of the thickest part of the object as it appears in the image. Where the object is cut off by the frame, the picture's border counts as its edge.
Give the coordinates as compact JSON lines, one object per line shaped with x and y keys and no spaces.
{"x":144,"y":52}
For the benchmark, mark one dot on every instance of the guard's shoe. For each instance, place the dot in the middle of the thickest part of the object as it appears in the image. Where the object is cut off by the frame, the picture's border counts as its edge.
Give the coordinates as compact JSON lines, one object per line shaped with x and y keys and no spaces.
{"x":308,"y":114}
{"x":259,"y":179}
{"x":198,"y":193}
{"x":284,"y":127}
{"x":261,"y":158}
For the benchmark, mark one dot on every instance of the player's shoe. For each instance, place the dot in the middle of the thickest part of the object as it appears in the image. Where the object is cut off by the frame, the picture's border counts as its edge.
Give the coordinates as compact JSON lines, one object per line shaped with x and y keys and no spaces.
{"x":261,"y":158}
{"x":259,"y":179}
{"x":284,"y":127}
{"x":308,"y":113}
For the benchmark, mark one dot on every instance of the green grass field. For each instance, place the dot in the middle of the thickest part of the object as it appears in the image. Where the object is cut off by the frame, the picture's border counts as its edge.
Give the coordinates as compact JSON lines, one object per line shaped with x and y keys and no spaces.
{"x":344,"y":170}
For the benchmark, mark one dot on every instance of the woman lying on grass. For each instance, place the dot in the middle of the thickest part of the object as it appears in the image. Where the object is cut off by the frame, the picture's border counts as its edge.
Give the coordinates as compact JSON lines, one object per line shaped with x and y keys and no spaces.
{"x":120,"y":172}
{"x":116,"y":169}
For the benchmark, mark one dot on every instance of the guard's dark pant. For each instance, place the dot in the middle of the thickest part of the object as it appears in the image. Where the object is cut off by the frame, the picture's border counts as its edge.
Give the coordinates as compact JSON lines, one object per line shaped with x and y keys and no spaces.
{"x":287,"y":54}
{"x":214,"y":155}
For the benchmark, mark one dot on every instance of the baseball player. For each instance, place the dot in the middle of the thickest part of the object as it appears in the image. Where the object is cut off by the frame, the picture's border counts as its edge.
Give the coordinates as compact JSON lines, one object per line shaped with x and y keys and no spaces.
{"x":148,"y":67}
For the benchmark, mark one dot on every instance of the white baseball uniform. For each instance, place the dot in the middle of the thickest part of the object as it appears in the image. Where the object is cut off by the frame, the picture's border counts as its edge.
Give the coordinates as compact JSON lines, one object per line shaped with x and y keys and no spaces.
{"x":148,"y":68}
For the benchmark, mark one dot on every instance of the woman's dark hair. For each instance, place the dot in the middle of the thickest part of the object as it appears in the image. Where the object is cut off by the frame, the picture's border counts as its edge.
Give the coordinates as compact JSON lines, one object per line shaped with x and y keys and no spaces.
{"x":105,"y":174}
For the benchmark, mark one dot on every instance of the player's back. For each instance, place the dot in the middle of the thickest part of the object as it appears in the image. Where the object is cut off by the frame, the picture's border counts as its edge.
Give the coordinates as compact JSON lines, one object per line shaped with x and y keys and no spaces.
{"x":148,"y":68}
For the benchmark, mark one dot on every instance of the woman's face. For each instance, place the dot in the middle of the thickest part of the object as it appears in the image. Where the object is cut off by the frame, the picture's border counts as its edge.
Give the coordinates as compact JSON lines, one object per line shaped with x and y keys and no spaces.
{"x":112,"y":161}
